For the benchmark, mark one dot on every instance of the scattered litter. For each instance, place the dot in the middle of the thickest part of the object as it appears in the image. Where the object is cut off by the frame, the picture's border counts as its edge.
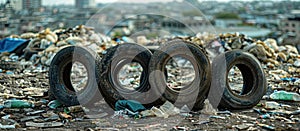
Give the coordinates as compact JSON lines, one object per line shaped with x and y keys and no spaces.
{"x":17,"y":104}
{"x":44,"y":125}
{"x":208,"y":108}
{"x":287,"y":96}
{"x":54,"y":104}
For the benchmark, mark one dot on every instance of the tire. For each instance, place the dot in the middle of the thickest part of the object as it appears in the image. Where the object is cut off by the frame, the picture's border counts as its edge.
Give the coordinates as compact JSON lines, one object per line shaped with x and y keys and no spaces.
{"x":254,"y":82}
{"x":60,"y":72}
{"x":193,"y":94}
{"x":109,"y":67}
{"x":298,"y":47}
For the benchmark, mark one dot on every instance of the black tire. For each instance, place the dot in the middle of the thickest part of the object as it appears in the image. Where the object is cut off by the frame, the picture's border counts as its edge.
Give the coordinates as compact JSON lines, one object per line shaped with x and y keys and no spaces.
{"x":254,"y":82}
{"x":59,"y":76}
{"x":109,"y":67}
{"x":298,"y":47}
{"x":193,"y":94}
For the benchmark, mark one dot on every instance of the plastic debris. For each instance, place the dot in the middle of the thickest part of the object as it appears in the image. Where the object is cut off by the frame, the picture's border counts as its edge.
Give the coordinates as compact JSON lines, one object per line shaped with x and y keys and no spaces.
{"x":165,"y":110}
{"x":289,"y":79}
{"x":65,"y":115}
{"x":185,"y":111}
{"x":217,"y":117}
{"x":242,"y":126}
{"x":29,"y":118}
{"x":2,"y":107}
{"x":169,"y":109}
{"x":181,"y":128}
{"x":129,"y":104}
{"x":74,"y":109}
{"x":35,"y":112}
{"x":265,"y":126}
{"x":265,"y":116}
{"x":208,"y":108}
{"x":287,"y":96}
{"x":159,"y":113}
{"x":44,"y":125}
{"x":270,"y":105}
{"x":17,"y":104}
{"x":147,"y":113}
{"x":97,"y":116}
{"x":7,"y":126}
{"x":54,"y":104}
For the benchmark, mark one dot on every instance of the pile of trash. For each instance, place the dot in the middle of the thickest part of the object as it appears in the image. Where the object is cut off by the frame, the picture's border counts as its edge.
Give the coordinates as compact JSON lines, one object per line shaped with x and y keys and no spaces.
{"x":38,"y":49}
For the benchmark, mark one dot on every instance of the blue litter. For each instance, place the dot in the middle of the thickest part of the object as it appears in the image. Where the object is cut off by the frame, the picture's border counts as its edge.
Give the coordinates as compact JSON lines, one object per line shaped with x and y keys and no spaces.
{"x":131,"y":105}
{"x":10,"y":44}
{"x":289,"y":79}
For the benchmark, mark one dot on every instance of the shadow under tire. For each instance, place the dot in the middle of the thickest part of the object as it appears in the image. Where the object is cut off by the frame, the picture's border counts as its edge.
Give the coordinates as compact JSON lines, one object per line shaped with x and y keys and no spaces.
{"x":254,"y":81}
{"x":60,"y":76}
{"x":108,"y":70}
{"x":193,"y":94}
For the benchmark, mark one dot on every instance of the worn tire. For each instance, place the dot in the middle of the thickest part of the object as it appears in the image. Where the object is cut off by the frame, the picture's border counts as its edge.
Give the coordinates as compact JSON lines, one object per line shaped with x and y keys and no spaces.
{"x":192,"y":95}
{"x":254,"y":82}
{"x":298,"y":47}
{"x":108,"y":68}
{"x":59,"y":76}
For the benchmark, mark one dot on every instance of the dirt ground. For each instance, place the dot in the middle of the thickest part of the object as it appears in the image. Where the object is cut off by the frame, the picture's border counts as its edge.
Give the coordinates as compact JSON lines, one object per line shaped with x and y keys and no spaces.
{"x":33,"y":87}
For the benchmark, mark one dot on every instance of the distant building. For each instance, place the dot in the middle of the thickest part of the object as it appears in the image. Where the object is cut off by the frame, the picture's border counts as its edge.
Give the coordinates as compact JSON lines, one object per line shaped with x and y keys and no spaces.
{"x":85,"y":3}
{"x":32,"y":4}
{"x":17,"y":5}
{"x":291,"y":30}
{"x":225,"y":23}
{"x":291,"y":25}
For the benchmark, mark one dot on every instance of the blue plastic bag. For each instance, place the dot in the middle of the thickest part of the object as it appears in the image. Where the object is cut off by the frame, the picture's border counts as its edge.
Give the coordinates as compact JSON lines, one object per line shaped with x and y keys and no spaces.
{"x":10,"y":44}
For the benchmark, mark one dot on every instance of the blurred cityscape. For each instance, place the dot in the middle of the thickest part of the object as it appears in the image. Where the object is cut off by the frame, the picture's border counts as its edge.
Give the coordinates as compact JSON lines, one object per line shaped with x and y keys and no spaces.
{"x":257,"y":19}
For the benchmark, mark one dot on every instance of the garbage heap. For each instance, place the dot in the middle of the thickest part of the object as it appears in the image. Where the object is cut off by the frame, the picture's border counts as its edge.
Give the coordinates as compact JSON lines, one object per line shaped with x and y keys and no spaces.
{"x":24,"y":83}
{"x":41,"y":47}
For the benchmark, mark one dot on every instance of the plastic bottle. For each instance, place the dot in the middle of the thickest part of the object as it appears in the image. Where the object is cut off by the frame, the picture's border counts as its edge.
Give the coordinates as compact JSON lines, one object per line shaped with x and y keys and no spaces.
{"x":283,"y":95}
{"x":17,"y":104}
{"x":272,"y":105}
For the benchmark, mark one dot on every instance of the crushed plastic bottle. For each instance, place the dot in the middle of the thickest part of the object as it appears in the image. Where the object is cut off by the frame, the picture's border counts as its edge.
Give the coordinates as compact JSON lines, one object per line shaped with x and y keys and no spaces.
{"x":169,"y":108}
{"x":17,"y":104}
{"x":272,"y":105}
{"x":159,"y":113}
{"x":287,"y":96}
